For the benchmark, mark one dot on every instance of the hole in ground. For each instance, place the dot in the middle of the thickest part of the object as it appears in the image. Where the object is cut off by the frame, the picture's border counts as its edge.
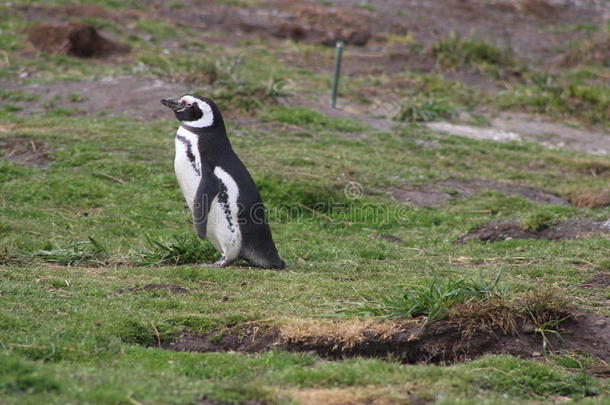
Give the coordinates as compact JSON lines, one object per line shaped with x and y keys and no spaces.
{"x":408,"y":341}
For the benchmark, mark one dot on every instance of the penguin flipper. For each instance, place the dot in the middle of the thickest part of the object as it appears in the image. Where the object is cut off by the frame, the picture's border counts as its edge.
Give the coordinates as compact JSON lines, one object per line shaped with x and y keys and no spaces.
{"x":208,"y":189}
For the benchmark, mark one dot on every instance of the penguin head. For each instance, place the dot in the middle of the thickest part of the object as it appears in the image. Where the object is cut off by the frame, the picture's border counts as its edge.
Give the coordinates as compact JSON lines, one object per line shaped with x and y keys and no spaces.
{"x":194,"y":111}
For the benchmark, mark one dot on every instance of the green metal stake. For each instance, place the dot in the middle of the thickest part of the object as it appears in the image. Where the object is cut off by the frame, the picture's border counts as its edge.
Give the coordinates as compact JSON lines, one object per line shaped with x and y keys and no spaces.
{"x":337,"y":73}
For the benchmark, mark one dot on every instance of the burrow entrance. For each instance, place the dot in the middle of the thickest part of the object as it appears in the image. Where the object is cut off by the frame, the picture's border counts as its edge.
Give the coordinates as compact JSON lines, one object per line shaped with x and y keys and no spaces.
{"x":408,"y":341}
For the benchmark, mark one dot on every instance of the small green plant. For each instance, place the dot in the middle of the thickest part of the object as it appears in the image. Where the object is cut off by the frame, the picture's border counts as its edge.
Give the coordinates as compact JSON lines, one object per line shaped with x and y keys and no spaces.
{"x":455,"y":51}
{"x":9,"y":254}
{"x":86,"y":252}
{"x":184,"y":249}
{"x":546,"y":329}
{"x":419,"y":109}
{"x":538,"y":221}
{"x":432,"y":299}
{"x":18,"y":95}
{"x":76,"y":98}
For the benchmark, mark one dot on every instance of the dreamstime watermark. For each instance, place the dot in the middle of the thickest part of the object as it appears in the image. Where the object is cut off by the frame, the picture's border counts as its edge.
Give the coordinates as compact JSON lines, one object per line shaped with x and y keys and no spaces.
{"x":353,"y":190}
{"x":351,"y":211}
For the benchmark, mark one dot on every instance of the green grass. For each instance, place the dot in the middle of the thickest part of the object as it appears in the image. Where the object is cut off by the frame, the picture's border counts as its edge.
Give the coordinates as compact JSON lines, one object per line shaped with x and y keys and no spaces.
{"x":424,"y":110}
{"x":312,"y":120}
{"x":65,"y":344}
{"x":454,"y":51}
{"x":432,"y":299}
{"x":561,"y":97}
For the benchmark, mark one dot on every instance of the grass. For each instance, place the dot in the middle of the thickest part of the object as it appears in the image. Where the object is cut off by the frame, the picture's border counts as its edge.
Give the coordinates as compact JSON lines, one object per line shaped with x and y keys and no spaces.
{"x":78,"y":248}
{"x":184,"y":249}
{"x":554,"y":95}
{"x":88,"y":252}
{"x":425,"y":110}
{"x":432,"y":299}
{"x":312,"y":120}
{"x":454,"y":51}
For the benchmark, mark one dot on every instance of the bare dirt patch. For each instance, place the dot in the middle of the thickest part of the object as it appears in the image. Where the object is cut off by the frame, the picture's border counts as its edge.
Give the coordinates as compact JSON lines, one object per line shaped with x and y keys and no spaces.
{"x":304,"y":22}
{"x":410,"y":341}
{"x":72,"y":12}
{"x":76,"y":39}
{"x":26,"y":151}
{"x":172,"y":288}
{"x":601,"y":280}
{"x":441,"y":192}
{"x":508,"y":229}
{"x":136,"y":97}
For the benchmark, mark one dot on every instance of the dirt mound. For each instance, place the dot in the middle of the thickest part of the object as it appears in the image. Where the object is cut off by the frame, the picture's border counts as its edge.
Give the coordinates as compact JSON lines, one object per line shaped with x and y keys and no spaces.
{"x":439,"y":193}
{"x":327,"y":26}
{"x":410,"y":341}
{"x":507,"y":229}
{"x":173,"y":288}
{"x":26,"y":151}
{"x":76,"y":39}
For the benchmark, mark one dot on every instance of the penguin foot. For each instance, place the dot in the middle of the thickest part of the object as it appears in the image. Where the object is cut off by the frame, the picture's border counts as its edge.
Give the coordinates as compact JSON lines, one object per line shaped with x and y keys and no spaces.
{"x":222,"y":262}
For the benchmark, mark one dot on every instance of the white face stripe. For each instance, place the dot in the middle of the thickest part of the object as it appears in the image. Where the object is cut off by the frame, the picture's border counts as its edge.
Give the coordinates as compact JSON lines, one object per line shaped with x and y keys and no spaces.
{"x":208,"y":116}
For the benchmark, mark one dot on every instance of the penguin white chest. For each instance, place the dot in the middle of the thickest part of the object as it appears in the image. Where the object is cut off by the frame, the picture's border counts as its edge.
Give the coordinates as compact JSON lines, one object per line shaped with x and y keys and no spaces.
{"x":223,"y":222}
{"x":187,"y":164}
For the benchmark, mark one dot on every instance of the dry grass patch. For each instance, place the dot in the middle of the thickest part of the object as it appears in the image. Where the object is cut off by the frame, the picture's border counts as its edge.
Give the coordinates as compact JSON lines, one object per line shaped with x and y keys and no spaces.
{"x":343,"y":333}
{"x":346,"y":396}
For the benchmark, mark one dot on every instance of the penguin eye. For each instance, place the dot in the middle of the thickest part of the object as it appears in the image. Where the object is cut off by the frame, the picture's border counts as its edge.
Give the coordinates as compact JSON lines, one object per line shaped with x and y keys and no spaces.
{"x":189,"y":104}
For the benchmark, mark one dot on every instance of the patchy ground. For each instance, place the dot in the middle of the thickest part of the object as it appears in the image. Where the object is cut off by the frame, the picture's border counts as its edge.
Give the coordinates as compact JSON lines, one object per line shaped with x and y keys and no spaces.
{"x":410,"y":342}
{"x":508,"y":229}
{"x":440,"y":102}
{"x":136,"y":97}
{"x":26,"y":151}
{"x":441,"y":192}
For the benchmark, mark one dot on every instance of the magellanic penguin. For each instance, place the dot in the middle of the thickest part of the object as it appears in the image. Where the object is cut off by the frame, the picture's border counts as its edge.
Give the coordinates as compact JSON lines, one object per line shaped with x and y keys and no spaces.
{"x":226,"y":205}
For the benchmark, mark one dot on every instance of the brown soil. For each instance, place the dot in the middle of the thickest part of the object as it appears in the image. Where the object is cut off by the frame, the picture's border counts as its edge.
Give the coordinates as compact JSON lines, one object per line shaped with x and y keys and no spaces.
{"x":26,"y":151}
{"x":411,"y":342}
{"x":390,"y":238}
{"x":77,"y":39}
{"x":599,"y":281}
{"x":75,"y":12}
{"x":173,"y":288}
{"x":137,"y":97}
{"x":439,"y":193}
{"x":507,"y":229}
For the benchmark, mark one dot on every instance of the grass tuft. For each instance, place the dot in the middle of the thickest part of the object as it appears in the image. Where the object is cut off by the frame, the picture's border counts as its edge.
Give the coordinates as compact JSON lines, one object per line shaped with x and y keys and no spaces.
{"x":454,"y":52}
{"x":420,"y":109}
{"x":184,"y":249}
{"x":86,"y":252}
{"x":433,"y":298}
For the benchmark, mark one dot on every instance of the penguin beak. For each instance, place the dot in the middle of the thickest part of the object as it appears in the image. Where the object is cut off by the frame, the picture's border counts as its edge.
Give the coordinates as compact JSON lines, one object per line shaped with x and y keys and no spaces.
{"x":171,"y":103}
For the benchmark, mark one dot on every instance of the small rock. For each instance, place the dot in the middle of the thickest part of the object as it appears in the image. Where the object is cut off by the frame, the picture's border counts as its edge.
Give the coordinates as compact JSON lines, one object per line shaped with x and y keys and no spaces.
{"x":600,"y":322}
{"x":536,"y":354}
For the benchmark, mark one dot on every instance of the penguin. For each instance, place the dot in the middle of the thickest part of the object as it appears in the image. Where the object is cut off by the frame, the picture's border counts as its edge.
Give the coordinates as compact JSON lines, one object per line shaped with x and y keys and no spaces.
{"x":222,"y":196}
